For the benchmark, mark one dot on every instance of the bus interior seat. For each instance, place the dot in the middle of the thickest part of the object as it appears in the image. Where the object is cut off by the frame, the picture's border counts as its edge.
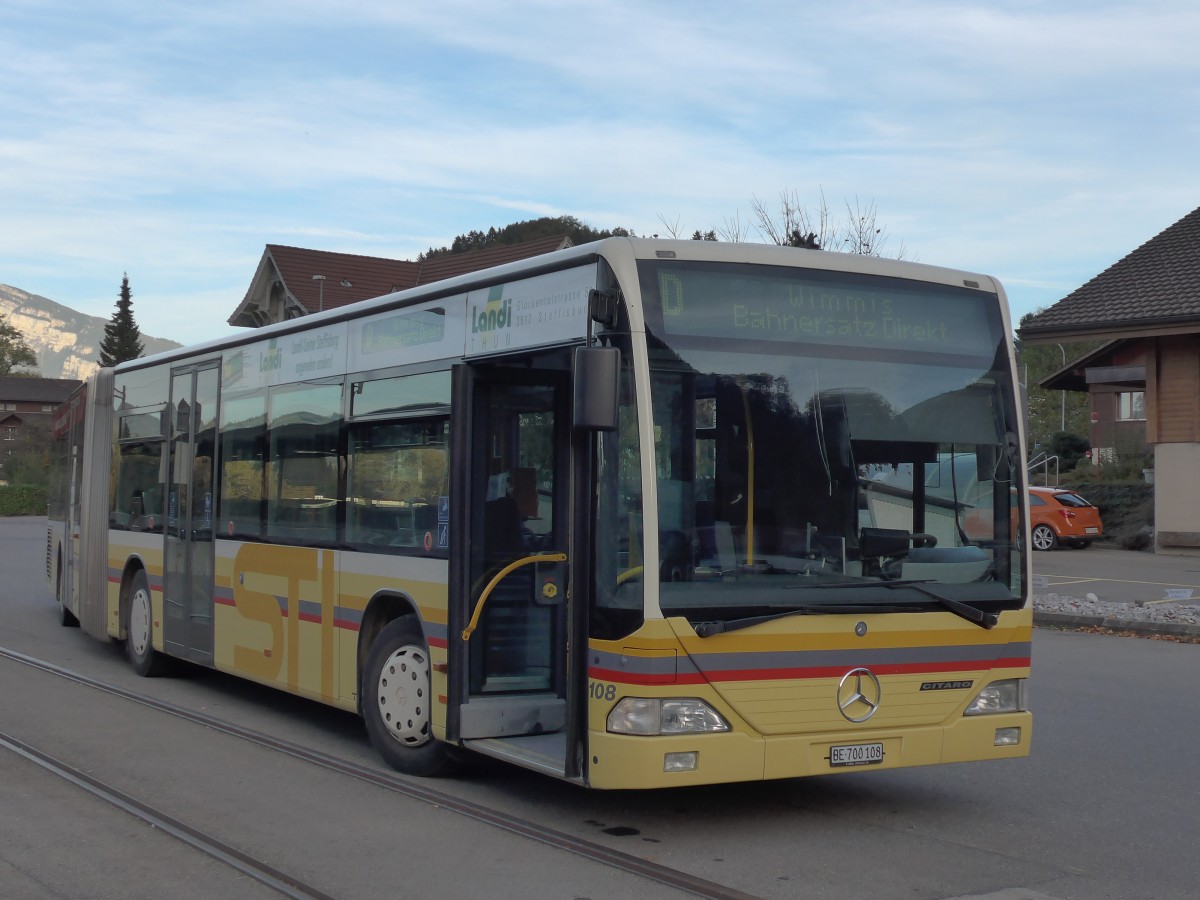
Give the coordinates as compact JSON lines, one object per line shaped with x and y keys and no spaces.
{"x":877,"y":543}
{"x":950,"y":565}
{"x":503,"y":528}
{"x":525,"y":493}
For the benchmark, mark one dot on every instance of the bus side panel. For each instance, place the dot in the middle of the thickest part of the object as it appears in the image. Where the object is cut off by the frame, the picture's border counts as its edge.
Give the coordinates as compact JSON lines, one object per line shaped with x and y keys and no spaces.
{"x":289,"y":617}
{"x":421,"y":582}
{"x":147,"y":549}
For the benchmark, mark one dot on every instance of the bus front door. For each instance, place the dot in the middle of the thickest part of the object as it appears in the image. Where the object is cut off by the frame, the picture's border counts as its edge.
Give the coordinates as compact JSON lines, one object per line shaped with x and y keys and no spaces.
{"x":188,"y":563}
{"x":509,"y":544}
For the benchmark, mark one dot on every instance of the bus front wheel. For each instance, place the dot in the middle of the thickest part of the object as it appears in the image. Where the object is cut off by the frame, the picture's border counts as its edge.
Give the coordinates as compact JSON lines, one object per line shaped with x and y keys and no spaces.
{"x":139,"y":635}
{"x":397,"y":700}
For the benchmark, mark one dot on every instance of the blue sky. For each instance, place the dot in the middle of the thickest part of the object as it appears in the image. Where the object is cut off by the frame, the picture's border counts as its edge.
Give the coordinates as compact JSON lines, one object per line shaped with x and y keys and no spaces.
{"x":1038,"y":142}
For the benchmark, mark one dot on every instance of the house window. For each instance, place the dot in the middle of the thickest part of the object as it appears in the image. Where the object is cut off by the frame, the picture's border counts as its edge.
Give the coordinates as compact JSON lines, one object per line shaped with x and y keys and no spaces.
{"x":10,"y":433}
{"x":1131,"y":406}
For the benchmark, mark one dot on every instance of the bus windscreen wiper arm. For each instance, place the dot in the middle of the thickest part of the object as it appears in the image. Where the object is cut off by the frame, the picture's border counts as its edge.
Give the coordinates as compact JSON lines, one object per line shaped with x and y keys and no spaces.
{"x":981,"y":618}
{"x":970,"y":613}
{"x":708,"y":629}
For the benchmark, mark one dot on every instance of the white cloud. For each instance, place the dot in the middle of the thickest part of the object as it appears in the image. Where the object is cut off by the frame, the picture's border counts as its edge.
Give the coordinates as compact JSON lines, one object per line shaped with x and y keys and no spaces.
{"x":174,"y":140}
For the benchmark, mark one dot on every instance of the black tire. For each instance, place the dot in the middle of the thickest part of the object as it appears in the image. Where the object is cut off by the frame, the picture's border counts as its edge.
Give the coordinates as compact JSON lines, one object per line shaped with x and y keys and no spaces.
{"x":1043,"y":538}
{"x":66,"y":618}
{"x":397,"y":701}
{"x":139,"y":631}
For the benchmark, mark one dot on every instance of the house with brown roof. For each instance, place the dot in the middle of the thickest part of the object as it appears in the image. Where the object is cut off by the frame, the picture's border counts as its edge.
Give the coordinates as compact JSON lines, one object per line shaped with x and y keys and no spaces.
{"x":291,"y":281}
{"x":26,"y":402}
{"x":1144,"y":383}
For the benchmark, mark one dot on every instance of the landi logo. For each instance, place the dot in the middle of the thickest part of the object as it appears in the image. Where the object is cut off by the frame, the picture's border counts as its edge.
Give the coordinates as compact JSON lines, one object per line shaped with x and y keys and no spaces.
{"x":272,"y":359}
{"x":495,"y":315}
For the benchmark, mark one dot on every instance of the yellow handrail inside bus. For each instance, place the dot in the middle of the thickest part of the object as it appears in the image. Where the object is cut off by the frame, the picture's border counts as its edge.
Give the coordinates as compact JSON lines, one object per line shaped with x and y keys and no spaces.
{"x":499,"y":576}
{"x":630,"y":574}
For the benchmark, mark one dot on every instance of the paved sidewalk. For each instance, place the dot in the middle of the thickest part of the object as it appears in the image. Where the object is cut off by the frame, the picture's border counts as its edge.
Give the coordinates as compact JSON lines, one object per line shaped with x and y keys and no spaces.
{"x":1118,"y":590}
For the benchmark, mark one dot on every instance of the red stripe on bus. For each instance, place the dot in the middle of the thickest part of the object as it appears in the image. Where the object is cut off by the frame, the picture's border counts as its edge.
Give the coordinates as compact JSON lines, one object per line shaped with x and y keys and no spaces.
{"x":793,"y":674}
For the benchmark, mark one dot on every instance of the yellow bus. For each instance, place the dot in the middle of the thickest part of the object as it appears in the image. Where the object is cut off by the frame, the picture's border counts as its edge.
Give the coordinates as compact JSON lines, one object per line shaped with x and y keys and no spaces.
{"x":633,"y":514}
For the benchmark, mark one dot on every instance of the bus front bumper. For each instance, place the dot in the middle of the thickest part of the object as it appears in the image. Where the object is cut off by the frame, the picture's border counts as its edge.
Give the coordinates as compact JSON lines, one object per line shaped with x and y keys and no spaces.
{"x":629,"y":762}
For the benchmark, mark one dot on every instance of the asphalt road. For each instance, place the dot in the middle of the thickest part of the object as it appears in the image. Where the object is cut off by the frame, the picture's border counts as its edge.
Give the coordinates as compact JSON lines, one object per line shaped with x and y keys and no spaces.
{"x":1119,"y":576}
{"x":1105,"y":807}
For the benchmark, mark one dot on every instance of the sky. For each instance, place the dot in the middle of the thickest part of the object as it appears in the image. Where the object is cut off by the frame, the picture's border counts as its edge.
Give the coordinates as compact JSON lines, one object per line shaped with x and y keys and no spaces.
{"x":1038,"y":142}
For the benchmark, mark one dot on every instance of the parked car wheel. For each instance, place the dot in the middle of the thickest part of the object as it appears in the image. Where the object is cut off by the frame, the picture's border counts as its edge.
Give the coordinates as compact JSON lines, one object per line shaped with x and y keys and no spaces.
{"x":1043,"y":538}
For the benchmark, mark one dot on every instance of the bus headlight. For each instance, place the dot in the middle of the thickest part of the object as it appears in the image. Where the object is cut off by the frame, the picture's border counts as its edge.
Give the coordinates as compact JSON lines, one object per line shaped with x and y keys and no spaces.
{"x":999,"y":697}
{"x":677,"y":715}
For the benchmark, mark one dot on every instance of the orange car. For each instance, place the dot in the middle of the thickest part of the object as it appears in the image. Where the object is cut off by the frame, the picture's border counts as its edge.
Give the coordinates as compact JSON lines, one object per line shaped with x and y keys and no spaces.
{"x":1058,"y":516}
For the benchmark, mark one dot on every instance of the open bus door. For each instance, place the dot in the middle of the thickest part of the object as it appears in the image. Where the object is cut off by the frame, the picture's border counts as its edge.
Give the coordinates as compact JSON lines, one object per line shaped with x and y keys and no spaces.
{"x":509,"y":564}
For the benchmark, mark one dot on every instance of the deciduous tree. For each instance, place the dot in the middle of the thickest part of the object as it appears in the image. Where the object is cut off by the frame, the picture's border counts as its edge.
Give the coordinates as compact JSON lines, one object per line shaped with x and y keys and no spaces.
{"x":14,"y":352}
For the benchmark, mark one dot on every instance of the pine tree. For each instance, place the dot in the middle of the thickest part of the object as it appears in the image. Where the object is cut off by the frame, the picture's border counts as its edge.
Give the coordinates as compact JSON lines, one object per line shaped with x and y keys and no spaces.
{"x":122,"y":338}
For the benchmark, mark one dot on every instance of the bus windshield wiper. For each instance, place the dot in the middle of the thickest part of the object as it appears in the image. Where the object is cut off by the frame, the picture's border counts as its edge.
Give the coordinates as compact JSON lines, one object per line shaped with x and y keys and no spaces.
{"x":983,"y":619}
{"x":708,"y":629}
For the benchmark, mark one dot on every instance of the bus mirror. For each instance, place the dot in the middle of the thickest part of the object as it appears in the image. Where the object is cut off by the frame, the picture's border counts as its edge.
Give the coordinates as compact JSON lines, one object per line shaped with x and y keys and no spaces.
{"x":602,"y":307}
{"x":597,"y":373}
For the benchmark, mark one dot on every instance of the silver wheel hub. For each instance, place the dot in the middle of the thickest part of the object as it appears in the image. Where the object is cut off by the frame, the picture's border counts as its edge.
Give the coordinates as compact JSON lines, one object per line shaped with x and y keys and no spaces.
{"x":139,"y":621}
{"x":403,"y":695}
{"x":1041,"y":538}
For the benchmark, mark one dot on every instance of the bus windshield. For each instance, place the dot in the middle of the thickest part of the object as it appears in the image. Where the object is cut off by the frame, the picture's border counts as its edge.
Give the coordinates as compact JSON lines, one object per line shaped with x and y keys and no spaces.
{"x":792,"y":408}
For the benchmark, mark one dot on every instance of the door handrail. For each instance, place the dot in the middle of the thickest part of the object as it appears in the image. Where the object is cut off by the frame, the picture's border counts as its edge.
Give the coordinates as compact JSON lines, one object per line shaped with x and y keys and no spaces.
{"x":498,"y":577}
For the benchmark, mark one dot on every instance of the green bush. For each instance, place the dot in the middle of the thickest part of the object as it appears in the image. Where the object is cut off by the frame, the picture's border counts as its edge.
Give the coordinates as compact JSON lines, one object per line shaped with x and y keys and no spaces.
{"x":22,"y":500}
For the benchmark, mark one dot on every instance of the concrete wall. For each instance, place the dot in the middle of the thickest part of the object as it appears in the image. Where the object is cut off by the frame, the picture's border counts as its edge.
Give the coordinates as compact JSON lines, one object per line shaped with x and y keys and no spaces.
{"x":1177,"y":498}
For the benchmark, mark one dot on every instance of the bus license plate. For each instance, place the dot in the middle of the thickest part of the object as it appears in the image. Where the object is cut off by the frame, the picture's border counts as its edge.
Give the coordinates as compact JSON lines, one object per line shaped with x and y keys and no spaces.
{"x":856,"y":754}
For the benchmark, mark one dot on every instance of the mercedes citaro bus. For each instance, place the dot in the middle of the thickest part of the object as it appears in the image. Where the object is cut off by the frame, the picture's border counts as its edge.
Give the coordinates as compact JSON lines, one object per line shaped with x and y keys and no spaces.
{"x":632,"y":514}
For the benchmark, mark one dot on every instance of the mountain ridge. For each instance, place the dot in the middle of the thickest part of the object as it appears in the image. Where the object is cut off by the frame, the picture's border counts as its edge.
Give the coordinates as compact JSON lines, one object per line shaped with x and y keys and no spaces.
{"x":65,"y":341}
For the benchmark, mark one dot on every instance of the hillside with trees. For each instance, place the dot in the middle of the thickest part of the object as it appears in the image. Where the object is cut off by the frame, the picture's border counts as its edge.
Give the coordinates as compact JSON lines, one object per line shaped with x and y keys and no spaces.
{"x":520,"y":232}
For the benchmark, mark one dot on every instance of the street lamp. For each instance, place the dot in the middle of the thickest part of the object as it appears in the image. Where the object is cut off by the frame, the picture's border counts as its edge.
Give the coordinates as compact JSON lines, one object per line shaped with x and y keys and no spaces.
{"x":321,"y":303}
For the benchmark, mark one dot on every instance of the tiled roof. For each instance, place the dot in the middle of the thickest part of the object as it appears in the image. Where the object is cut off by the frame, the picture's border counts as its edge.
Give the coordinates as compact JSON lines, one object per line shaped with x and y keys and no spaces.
{"x":440,"y":268}
{"x":1156,"y":284}
{"x":348,"y":278}
{"x":36,"y":390}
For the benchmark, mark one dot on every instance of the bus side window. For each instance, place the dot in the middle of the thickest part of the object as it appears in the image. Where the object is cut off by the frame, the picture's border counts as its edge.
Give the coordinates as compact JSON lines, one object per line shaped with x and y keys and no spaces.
{"x":302,"y":470}
{"x":243,"y":461}
{"x":395,"y":473}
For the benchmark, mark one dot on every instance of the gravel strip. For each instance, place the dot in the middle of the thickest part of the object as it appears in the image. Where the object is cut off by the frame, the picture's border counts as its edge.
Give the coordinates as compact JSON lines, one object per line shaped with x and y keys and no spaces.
{"x":1182,"y":610}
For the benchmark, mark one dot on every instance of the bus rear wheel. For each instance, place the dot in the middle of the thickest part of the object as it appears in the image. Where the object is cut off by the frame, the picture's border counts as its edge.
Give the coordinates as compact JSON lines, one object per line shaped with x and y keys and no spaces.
{"x":66,"y":618}
{"x":397,"y":701}
{"x":139,"y":633}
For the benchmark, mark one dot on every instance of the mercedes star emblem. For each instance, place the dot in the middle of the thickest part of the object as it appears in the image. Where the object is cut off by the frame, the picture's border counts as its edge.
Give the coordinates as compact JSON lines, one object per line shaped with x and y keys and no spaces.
{"x":858,"y":695}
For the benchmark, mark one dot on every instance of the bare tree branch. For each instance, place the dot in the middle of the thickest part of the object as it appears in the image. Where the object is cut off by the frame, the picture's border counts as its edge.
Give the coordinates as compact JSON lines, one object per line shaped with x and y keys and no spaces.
{"x":671,"y":229}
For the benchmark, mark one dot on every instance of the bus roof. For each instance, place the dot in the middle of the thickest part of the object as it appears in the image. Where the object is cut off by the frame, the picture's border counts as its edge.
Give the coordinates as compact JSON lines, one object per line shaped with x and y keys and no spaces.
{"x":611,"y":249}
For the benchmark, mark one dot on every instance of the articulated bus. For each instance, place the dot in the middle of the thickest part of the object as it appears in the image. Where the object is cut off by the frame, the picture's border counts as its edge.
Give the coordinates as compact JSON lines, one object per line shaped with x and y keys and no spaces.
{"x":633,"y":514}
